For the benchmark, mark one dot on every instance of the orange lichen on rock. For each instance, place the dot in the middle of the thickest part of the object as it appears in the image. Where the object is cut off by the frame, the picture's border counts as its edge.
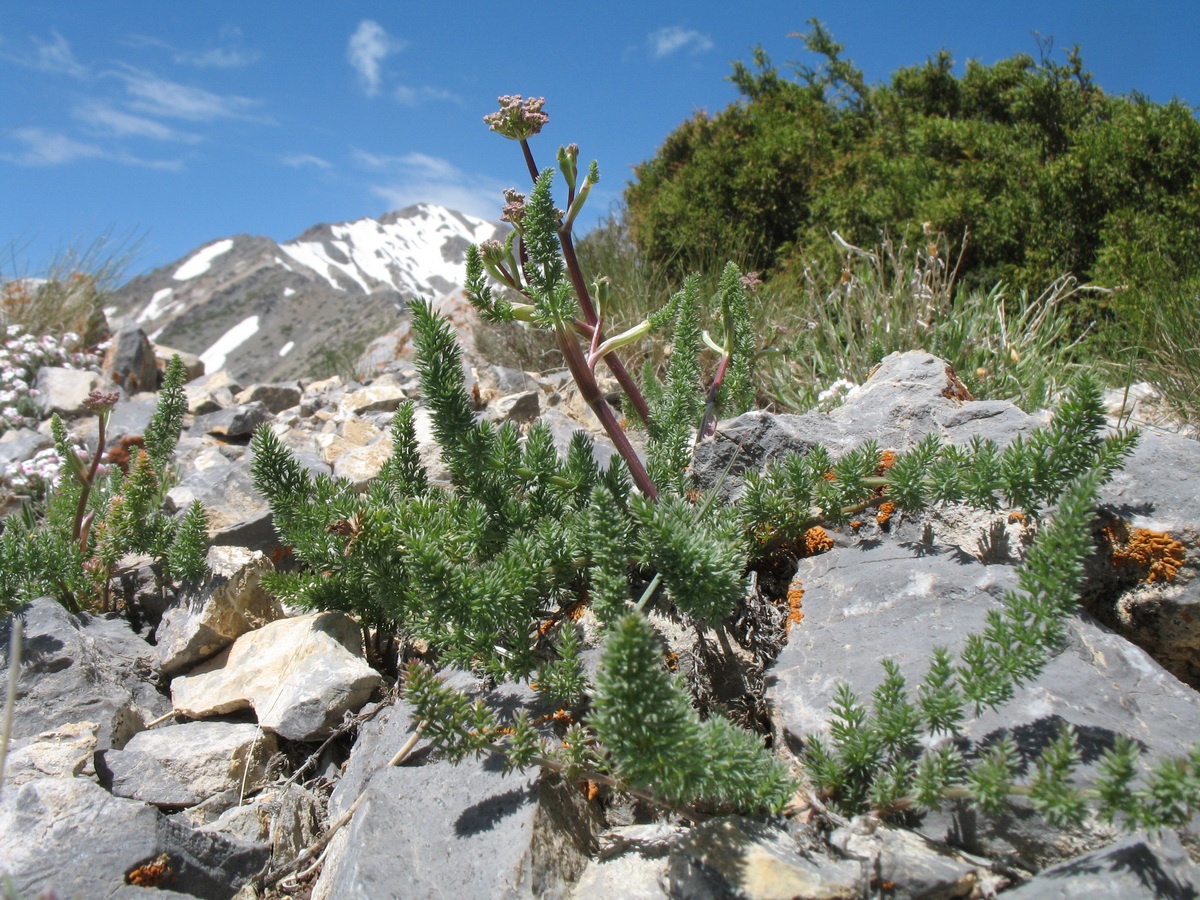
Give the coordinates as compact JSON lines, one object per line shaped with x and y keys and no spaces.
{"x":816,"y":540}
{"x":887,"y":459}
{"x":1155,"y":551}
{"x":886,"y":510}
{"x":794,"y":595}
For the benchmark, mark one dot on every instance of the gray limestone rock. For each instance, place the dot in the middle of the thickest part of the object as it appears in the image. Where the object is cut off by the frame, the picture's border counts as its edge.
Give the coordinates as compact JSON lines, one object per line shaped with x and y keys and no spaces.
{"x":192,"y":366}
{"x":917,"y":869}
{"x":226,"y":491}
{"x":239,"y":421}
{"x":475,"y":832}
{"x":70,"y":836}
{"x":747,"y":859}
{"x":63,"y":752}
{"x":382,"y":395}
{"x":519,"y":408}
{"x":1146,"y":580}
{"x":20,"y":444}
{"x":868,"y":602}
{"x":908,"y":396}
{"x":80,"y":669}
{"x":180,"y":765}
{"x":63,"y":391}
{"x":211,"y":392}
{"x":1140,"y":867}
{"x":275,"y":396}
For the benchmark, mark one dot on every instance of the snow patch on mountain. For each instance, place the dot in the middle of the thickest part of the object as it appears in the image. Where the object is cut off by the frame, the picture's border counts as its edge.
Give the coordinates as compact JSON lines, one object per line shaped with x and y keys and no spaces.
{"x":199,"y":262}
{"x":409,"y":251}
{"x":214,"y":357}
{"x":157,"y":306}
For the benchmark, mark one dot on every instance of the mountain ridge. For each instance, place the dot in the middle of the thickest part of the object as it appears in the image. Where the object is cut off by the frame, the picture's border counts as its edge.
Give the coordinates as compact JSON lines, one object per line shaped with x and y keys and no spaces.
{"x":269,"y":311}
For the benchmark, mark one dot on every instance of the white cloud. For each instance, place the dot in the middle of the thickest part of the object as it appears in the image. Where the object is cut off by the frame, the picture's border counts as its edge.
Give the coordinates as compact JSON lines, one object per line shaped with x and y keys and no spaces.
{"x":412,"y":96}
{"x":104,"y":119}
{"x":47,"y":148}
{"x":229,"y":56}
{"x":300,"y":160}
{"x":159,"y":97}
{"x":369,"y":46}
{"x":419,"y":178}
{"x":54,"y":55}
{"x":673,"y":38}
{"x":218,"y":57}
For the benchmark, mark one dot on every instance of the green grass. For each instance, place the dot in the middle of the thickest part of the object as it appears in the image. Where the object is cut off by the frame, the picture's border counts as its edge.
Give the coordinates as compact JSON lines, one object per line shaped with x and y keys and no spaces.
{"x":835,"y":320}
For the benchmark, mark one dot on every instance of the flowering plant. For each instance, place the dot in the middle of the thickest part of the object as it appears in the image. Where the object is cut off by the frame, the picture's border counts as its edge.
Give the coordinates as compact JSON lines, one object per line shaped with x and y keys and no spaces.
{"x":21,"y":355}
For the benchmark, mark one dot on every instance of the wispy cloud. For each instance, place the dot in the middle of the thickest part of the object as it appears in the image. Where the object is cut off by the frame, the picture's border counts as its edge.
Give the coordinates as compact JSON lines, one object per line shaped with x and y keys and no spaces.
{"x":230,"y":55}
{"x":418,"y":178}
{"x":300,"y":160}
{"x":674,"y":39}
{"x":409,"y":96}
{"x":48,"y":148}
{"x":369,"y":46}
{"x":101,"y":118}
{"x":54,"y":56}
{"x":158,"y":96}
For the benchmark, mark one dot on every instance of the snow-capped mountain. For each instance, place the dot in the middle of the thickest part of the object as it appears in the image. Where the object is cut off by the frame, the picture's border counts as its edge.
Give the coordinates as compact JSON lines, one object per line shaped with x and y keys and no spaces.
{"x":267,"y":311}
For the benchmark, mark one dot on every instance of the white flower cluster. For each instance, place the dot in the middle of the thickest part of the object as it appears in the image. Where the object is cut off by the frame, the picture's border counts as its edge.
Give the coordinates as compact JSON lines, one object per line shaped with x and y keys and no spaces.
{"x":835,"y":393}
{"x":21,"y":355}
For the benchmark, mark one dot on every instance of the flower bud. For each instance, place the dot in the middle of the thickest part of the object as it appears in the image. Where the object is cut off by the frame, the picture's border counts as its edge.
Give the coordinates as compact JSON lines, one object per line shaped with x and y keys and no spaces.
{"x":517,"y":118}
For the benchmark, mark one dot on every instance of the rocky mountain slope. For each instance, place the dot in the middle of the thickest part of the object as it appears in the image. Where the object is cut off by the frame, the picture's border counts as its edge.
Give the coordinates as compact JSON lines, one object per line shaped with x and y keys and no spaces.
{"x":192,"y":753}
{"x":268,"y":311}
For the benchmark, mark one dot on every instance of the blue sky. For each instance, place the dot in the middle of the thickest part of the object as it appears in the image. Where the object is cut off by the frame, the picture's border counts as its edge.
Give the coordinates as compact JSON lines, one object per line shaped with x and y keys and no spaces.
{"x":180,"y":122}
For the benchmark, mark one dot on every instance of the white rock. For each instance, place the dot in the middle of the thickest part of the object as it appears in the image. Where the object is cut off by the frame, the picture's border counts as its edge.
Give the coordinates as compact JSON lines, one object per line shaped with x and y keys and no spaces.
{"x":362,"y":464}
{"x":379,"y":397}
{"x":62,"y":390}
{"x":299,"y":675}
{"x":229,"y":604}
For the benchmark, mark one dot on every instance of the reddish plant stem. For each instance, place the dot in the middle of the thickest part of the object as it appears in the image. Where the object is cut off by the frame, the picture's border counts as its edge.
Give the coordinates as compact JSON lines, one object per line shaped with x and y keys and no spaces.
{"x":610,"y":359}
{"x":708,"y":425}
{"x":585,"y":379}
{"x":632,"y":391}
{"x":78,"y":530}
{"x":533,"y":170}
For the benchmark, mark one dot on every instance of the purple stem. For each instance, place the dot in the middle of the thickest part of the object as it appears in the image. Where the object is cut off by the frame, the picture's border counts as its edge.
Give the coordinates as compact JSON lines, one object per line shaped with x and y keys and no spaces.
{"x":585,"y":379}
{"x":588,"y":309}
{"x":78,"y":531}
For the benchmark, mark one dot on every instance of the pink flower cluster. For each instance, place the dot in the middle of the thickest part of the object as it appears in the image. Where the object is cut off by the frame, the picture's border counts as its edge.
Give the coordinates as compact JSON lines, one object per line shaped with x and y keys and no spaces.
{"x":21,"y":355}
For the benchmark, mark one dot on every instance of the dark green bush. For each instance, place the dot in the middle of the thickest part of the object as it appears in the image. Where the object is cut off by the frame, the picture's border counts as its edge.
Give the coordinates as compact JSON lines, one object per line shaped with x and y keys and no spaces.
{"x":1047,"y":172}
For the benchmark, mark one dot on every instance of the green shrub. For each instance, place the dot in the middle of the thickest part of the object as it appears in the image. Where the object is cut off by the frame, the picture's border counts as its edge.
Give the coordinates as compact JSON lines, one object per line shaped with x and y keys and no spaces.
{"x":1048,"y":174}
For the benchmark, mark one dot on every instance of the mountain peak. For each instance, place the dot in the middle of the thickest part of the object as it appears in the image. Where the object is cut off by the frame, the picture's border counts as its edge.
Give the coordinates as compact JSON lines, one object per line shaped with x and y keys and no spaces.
{"x":266,"y":310}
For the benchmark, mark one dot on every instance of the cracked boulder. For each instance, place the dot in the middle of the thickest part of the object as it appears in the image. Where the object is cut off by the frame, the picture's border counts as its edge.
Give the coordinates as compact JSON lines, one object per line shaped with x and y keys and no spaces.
{"x":300,"y":676}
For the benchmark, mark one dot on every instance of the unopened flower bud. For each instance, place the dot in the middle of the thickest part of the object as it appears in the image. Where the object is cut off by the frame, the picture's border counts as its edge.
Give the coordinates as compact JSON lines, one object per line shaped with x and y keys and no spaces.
{"x":99,"y":402}
{"x":517,"y":118}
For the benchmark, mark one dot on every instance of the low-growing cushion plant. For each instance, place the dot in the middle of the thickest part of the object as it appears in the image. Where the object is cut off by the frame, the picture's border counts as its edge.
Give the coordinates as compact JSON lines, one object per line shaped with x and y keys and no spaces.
{"x":93,"y":518}
{"x":490,"y":572}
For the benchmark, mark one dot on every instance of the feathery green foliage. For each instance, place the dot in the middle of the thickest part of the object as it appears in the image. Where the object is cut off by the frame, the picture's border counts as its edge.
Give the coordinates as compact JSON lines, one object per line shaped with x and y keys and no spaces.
{"x":92,"y":521}
{"x":491,"y":571}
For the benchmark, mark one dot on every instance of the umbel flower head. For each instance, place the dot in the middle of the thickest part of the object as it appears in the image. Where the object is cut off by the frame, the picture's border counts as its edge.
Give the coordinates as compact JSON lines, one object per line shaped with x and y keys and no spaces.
{"x":514,"y":206}
{"x":100,"y":402}
{"x":517,"y":118}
